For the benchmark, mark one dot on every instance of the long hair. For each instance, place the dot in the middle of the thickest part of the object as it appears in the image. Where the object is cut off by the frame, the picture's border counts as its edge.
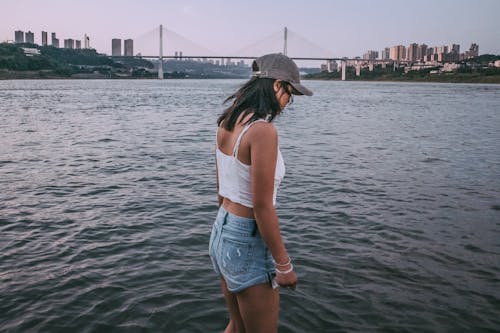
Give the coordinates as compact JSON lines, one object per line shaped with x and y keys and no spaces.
{"x":256,"y":96}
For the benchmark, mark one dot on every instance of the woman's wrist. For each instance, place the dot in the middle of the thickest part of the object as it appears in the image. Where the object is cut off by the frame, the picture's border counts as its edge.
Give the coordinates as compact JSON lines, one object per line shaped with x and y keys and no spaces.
{"x":283,"y":267}
{"x":283,"y":262}
{"x":285,"y":271}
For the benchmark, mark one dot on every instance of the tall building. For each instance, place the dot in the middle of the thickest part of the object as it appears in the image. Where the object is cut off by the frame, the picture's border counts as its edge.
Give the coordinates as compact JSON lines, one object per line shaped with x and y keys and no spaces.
{"x":55,"y":41}
{"x":412,"y":52}
{"x":398,"y":52}
{"x":78,"y":44}
{"x":453,"y":52}
{"x":128,"y":48}
{"x":116,"y":47}
{"x":441,"y":49}
{"x":44,"y":38}
{"x":431,"y":54}
{"x":440,"y":53}
{"x":385,"y":54}
{"x":86,"y":41}
{"x":69,"y":43}
{"x":422,"y":52}
{"x":473,"y":51}
{"x":19,"y":36}
{"x":454,"y":48}
{"x":370,"y":55}
{"x":29,"y":37}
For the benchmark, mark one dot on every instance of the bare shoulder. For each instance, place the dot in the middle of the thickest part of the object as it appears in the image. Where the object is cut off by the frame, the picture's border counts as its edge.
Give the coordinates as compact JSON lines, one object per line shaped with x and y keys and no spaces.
{"x":262,"y":131}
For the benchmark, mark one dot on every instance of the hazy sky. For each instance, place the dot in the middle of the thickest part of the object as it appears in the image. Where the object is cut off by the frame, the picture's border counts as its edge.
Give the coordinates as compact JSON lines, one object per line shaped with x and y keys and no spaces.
{"x":340,"y":28}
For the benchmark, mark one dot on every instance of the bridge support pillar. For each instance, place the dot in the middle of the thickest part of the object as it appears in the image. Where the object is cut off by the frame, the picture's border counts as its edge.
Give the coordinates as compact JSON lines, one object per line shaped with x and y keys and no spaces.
{"x":160,"y":62}
{"x":344,"y":65}
{"x":358,"y":69}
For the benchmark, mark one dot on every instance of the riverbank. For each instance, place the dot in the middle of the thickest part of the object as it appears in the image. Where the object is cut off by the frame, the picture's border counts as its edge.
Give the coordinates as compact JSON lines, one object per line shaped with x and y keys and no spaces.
{"x":443,"y":77}
{"x":487,"y":75}
{"x":476,"y":70}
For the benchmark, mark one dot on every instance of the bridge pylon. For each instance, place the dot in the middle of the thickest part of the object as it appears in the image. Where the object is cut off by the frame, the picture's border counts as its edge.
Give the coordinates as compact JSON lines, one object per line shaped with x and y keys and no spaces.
{"x":285,"y":42}
{"x":160,"y":58}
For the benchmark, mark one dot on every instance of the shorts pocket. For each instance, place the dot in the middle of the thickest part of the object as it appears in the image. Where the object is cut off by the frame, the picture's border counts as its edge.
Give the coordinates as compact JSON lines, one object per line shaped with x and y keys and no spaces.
{"x":235,"y":256}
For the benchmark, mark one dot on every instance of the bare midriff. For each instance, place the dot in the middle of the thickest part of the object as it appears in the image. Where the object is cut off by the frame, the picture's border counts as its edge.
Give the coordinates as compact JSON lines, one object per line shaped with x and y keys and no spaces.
{"x":237,"y":209}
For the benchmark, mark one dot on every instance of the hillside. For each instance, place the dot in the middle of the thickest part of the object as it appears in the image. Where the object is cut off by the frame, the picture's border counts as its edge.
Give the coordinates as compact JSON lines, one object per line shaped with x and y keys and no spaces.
{"x":54,"y":62}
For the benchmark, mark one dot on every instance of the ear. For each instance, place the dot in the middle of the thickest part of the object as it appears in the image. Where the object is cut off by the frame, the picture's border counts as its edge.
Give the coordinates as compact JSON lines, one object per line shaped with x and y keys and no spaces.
{"x":277,"y":85}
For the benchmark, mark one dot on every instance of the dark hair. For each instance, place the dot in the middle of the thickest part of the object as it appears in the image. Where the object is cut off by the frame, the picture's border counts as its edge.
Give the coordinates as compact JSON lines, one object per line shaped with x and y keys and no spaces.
{"x":256,"y":96}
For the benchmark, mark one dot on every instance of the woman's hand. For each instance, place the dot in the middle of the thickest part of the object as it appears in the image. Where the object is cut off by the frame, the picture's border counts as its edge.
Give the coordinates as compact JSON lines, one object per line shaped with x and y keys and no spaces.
{"x":286,"y":277}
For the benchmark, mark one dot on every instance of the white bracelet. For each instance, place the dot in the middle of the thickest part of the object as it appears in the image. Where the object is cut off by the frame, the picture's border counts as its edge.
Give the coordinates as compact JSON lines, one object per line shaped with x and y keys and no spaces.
{"x":285,"y":272}
{"x":285,"y":264}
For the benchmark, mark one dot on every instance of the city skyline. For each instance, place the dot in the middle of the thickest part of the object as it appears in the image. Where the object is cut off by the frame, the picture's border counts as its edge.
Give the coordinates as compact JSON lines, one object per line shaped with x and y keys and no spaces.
{"x":414,"y":52}
{"x":344,"y":29}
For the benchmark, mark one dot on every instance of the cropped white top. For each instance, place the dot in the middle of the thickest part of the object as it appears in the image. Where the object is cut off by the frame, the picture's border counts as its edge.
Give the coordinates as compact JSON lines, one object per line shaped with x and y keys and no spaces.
{"x":234,"y":175}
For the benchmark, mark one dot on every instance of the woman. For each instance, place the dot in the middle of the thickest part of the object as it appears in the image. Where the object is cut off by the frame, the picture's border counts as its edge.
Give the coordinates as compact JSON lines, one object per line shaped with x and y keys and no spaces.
{"x":246,"y":247}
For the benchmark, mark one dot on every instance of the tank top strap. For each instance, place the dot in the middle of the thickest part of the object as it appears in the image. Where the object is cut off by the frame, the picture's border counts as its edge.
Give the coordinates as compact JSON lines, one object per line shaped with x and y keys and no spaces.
{"x":247,"y":126}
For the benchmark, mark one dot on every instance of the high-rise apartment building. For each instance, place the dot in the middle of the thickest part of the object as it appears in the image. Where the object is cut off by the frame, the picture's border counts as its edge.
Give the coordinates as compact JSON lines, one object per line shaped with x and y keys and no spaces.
{"x":370,"y":55}
{"x":69,"y":43}
{"x":116,"y":47}
{"x":385,"y":54}
{"x":412,"y":52}
{"x":128,"y":48}
{"x":454,"y":48}
{"x":441,"y":49}
{"x":54,"y":40}
{"x":78,"y":44}
{"x":398,"y":52}
{"x":453,"y":53}
{"x":44,"y":38}
{"x":440,"y":53}
{"x":19,"y":36}
{"x":29,"y":37}
{"x":86,"y":41}
{"x":422,"y":52}
{"x":473,"y":51}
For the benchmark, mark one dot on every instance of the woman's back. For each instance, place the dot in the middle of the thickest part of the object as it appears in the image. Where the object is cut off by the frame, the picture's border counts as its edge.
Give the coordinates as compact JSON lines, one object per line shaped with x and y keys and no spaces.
{"x":234,"y":162}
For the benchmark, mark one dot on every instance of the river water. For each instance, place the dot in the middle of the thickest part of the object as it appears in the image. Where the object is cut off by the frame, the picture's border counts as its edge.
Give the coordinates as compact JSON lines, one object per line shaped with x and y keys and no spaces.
{"x":390,"y":207}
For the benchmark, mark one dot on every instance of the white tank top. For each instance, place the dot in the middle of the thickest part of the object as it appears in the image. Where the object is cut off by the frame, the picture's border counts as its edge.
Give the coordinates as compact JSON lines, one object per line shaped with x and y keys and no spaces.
{"x":234,"y":175}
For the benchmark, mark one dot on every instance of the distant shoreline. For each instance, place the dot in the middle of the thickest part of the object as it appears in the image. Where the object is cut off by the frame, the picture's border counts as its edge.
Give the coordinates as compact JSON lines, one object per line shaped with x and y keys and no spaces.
{"x":438,"y":79}
{"x":32,"y":62}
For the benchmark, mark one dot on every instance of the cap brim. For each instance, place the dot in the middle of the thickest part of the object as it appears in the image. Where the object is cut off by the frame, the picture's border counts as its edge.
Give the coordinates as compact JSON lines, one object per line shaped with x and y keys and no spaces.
{"x":301,"y":89}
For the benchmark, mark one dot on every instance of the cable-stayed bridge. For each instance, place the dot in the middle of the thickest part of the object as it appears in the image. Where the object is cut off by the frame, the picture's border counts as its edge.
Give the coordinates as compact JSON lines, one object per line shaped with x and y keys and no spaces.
{"x":162,"y":43}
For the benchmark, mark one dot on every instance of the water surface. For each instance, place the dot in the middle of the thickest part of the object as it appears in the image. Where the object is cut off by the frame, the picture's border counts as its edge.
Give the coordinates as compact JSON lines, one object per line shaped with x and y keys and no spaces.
{"x":390,"y":207}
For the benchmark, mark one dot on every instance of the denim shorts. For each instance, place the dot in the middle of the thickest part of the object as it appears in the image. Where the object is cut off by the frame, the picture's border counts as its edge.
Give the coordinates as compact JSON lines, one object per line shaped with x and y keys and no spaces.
{"x":238,"y":253}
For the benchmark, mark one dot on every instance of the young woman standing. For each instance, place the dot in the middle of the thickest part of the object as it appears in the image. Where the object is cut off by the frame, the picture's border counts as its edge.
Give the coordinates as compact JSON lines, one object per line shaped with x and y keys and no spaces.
{"x":246,"y":246}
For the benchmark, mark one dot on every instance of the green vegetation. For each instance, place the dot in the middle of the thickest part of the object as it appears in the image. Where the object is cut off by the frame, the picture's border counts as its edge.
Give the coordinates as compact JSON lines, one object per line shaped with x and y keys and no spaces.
{"x":475,"y":70}
{"x":64,"y":63}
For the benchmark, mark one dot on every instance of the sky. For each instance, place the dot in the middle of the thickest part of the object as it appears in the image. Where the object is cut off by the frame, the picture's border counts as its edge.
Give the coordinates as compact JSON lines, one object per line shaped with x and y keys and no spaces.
{"x":233,"y":27}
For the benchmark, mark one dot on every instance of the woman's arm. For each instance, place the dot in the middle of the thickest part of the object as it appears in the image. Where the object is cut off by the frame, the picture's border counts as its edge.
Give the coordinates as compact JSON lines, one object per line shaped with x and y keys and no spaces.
{"x":263,"y":154}
{"x":219,"y":198}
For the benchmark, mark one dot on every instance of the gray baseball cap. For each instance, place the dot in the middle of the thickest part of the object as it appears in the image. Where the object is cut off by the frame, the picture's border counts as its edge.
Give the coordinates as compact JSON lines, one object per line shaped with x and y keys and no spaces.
{"x":278,"y":66}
